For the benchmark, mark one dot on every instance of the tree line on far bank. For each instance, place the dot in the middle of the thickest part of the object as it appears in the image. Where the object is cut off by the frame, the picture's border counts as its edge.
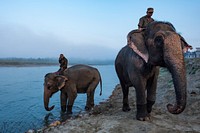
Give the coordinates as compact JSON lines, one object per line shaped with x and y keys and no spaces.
{"x":49,"y":62}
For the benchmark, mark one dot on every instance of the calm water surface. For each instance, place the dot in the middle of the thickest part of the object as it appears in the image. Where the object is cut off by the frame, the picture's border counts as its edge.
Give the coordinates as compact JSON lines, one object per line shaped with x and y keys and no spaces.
{"x":21,"y":96}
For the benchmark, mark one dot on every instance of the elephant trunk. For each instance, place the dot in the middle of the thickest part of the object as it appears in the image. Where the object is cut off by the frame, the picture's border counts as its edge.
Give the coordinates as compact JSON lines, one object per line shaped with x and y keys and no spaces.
{"x":46,"y":101}
{"x":179,"y":80}
{"x":174,"y":60}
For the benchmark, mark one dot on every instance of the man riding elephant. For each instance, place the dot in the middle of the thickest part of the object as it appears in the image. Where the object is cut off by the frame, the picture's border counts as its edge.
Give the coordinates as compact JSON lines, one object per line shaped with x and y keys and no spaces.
{"x":145,"y":20}
{"x":63,"y":64}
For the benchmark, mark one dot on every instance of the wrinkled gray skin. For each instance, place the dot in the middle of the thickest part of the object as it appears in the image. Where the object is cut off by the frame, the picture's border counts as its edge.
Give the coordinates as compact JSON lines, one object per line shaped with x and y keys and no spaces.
{"x":76,"y":79}
{"x":137,"y":64}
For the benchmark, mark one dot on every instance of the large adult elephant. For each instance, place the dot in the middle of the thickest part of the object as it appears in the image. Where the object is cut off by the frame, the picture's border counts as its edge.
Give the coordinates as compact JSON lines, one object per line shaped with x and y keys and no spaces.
{"x":76,"y":79}
{"x":137,"y":64}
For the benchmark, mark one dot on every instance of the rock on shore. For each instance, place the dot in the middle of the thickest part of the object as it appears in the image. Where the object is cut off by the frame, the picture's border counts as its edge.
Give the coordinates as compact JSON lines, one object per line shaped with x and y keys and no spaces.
{"x":108,"y":117}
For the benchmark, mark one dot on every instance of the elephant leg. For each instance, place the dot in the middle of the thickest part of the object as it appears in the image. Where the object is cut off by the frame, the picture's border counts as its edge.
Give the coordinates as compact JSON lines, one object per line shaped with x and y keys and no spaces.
{"x":69,"y":109}
{"x":90,"y":95}
{"x":63,"y":99}
{"x":125,"y":90}
{"x":151,"y":90}
{"x":71,"y":100}
{"x":151,"y":94}
{"x":140,"y":87}
{"x":87,"y":106}
{"x":92,"y":99}
{"x":124,"y":86}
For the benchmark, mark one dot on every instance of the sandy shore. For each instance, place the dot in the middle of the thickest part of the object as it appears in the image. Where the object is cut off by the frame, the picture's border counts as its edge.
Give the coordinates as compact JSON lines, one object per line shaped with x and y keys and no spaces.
{"x":108,"y":117}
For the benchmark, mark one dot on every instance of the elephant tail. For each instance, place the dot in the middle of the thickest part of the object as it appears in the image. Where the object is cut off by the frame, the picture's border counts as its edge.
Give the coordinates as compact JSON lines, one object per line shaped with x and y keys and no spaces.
{"x":100,"y":84}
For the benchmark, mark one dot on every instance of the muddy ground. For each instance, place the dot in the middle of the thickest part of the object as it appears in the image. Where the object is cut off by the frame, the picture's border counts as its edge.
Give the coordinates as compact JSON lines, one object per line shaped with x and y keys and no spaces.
{"x":108,"y":117}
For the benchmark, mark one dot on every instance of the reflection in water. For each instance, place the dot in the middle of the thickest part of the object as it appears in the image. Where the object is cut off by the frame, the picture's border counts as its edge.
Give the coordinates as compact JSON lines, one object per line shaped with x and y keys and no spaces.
{"x":49,"y":117}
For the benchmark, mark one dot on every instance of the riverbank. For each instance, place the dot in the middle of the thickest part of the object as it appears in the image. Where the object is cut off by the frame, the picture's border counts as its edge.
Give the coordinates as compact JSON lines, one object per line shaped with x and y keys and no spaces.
{"x":109,"y":117}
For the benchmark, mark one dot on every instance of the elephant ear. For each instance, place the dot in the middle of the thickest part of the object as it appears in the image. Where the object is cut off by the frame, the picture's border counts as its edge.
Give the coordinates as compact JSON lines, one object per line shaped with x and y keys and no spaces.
{"x":136,"y":42}
{"x":61,"y":80}
{"x":185,"y":46}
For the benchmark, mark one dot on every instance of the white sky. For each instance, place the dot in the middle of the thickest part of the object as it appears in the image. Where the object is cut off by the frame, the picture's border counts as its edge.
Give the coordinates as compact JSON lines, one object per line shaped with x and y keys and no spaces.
{"x":88,"y":29}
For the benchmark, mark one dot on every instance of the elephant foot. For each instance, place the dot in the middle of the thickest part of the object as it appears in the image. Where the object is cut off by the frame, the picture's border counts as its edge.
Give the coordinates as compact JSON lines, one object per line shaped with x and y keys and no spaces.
{"x":126,"y":108}
{"x":175,"y":109}
{"x":69,"y":112}
{"x":63,"y":108}
{"x":149,"y":105}
{"x":69,"y":109}
{"x":89,"y":107}
{"x":146,"y":118}
{"x":92,"y":105}
{"x":142,"y":114}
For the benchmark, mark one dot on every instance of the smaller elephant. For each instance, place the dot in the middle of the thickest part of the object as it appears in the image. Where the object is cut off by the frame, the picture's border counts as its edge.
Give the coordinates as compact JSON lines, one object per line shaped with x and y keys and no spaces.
{"x":76,"y":79}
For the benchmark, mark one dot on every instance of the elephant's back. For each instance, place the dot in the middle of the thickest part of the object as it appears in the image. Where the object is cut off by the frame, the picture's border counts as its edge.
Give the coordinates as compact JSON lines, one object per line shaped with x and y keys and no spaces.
{"x":83,"y":76}
{"x":82,"y":72}
{"x":80,"y":67}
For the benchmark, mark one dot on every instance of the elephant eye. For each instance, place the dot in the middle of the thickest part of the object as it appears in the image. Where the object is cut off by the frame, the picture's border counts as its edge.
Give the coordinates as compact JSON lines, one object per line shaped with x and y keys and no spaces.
{"x":48,"y":87}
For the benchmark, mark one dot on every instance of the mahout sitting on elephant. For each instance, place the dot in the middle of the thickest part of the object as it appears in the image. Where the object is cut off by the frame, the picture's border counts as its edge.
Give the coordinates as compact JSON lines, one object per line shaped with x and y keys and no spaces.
{"x":76,"y":79}
{"x":63,"y":64}
{"x":137,"y":64}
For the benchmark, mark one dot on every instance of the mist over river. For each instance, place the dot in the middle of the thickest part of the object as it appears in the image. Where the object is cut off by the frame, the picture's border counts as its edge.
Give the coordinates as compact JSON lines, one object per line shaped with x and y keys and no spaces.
{"x":21,"y":96}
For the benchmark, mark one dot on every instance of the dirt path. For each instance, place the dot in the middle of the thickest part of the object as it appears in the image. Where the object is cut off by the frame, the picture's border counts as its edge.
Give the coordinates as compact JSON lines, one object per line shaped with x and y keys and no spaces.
{"x":108,"y":117}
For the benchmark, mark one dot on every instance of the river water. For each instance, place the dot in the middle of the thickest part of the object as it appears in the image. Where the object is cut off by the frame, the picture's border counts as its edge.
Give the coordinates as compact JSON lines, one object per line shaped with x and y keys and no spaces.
{"x":21,"y":97}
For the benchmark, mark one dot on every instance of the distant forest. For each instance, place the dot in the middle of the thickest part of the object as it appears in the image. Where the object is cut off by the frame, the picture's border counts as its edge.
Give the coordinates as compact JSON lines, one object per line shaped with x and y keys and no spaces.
{"x":49,"y":62}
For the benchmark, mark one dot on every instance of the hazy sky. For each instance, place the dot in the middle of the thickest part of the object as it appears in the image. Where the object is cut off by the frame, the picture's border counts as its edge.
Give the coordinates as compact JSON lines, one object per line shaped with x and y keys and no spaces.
{"x":85,"y":28}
